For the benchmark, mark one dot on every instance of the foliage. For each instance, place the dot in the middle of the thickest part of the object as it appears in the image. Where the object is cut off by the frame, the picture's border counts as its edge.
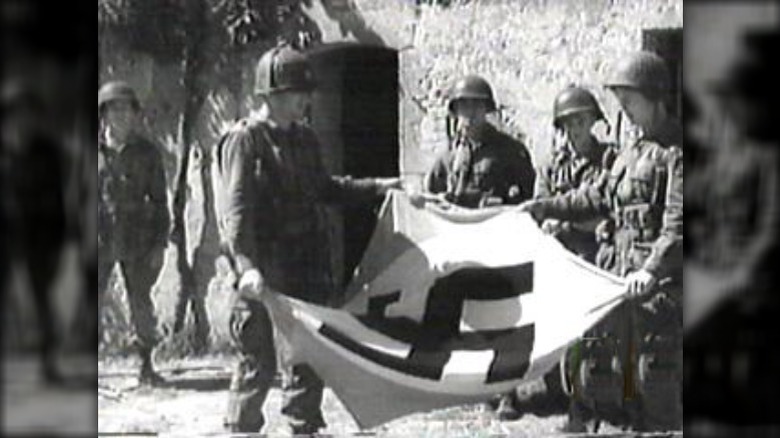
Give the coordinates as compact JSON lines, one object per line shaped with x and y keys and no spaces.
{"x":159,"y":27}
{"x":150,"y":26}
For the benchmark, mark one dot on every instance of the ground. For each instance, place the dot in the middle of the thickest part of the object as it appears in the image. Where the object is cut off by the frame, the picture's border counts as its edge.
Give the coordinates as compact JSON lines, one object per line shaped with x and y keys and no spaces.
{"x":34,"y":409}
{"x":194,"y":401}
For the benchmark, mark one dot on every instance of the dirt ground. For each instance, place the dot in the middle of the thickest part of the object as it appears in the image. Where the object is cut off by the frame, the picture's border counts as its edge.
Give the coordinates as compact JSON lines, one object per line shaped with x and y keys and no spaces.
{"x":194,"y":400}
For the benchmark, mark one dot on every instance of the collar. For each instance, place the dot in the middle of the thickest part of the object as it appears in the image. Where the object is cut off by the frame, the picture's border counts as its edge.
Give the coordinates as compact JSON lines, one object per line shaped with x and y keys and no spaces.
{"x":668,"y":133}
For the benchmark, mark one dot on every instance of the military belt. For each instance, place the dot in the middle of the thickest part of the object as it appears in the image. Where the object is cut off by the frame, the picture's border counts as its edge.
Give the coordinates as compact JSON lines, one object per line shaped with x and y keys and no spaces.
{"x":639,"y":221}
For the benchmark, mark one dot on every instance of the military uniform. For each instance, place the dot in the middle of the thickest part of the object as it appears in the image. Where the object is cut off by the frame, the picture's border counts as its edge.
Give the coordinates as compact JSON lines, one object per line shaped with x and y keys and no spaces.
{"x":643,"y":195}
{"x":474,"y":172}
{"x":485,"y":167}
{"x":271,"y":190}
{"x":567,"y":172}
{"x":133,"y":226}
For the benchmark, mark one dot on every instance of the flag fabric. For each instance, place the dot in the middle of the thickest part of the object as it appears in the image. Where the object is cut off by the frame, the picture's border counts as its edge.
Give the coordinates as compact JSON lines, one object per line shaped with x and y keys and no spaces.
{"x":448,"y":307}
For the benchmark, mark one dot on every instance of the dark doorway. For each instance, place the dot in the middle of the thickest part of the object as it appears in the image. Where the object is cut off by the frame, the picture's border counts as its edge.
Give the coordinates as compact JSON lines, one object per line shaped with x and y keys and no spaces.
{"x":355,"y":112}
{"x":668,"y":44}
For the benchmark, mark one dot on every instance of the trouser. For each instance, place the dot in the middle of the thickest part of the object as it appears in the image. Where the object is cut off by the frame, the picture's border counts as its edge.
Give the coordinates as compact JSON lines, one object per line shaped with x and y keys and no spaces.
{"x":42,"y":263}
{"x":660,"y":366}
{"x":630,"y":370}
{"x":140,"y":275}
{"x":85,"y":326}
{"x":252,"y":332}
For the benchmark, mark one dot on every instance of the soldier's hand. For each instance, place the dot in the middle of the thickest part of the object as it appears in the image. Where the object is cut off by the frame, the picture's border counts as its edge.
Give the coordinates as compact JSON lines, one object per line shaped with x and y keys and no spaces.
{"x":552,"y":226}
{"x":640,"y":283}
{"x":531,"y":207}
{"x":251,"y":284}
{"x":492,"y":201}
{"x":387,"y":184}
{"x":419,"y":199}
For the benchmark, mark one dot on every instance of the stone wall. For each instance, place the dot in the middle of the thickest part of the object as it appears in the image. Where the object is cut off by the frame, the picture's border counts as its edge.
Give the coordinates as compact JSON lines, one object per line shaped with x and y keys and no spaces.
{"x":528,"y":49}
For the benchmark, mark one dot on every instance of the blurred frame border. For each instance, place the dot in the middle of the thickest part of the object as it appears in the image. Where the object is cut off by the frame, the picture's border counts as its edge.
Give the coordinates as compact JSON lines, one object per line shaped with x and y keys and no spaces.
{"x":51,"y":45}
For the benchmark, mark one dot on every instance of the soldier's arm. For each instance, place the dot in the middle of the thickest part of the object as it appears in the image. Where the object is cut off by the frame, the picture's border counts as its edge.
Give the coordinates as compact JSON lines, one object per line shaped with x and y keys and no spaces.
{"x":340,"y":189}
{"x":666,"y":256}
{"x":522,"y":176}
{"x":543,"y":186}
{"x":158,"y":196}
{"x":589,"y":201}
{"x":238,"y":231}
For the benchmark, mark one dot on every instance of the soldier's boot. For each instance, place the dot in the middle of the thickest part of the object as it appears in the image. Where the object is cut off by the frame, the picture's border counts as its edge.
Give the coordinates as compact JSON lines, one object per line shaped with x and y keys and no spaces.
{"x":302,"y":400}
{"x":507,"y":408}
{"x":660,"y":378}
{"x":147,"y":375}
{"x":576,"y":421}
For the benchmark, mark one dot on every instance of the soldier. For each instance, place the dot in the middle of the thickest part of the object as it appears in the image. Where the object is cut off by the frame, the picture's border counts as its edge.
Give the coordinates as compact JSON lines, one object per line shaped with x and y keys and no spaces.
{"x":271,"y":190}
{"x":32,"y":208}
{"x":483,"y":166}
{"x":580,"y":161}
{"x":643,"y":195}
{"x":133,"y":218}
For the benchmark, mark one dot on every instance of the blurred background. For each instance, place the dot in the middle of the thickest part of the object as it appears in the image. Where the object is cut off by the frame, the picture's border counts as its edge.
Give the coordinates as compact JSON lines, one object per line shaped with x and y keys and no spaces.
{"x":732,"y":218}
{"x":47,"y":63}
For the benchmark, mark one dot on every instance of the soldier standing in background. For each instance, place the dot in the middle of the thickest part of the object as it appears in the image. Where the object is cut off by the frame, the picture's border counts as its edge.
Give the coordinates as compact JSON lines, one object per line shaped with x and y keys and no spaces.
{"x":133,"y":218}
{"x":32,"y":213}
{"x":643,"y":195}
{"x":483,"y":166}
{"x":271,"y":190}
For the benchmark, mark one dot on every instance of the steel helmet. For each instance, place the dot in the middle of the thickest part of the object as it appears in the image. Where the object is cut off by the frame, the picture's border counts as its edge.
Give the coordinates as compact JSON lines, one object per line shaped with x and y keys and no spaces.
{"x":115,"y":91}
{"x":574,"y":100}
{"x":643,"y":71}
{"x":472,"y":87}
{"x":283,"y":68}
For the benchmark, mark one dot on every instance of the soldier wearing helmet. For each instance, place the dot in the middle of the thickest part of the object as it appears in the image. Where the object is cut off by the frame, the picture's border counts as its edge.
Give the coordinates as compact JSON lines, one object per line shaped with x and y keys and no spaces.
{"x":578,"y":160}
{"x":643,"y":195}
{"x":133,"y":219}
{"x":483,"y":166}
{"x":271,"y":190}
{"x":32,"y":208}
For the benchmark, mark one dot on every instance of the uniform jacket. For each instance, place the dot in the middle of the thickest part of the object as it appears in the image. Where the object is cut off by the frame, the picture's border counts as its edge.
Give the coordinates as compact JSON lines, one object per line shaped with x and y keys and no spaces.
{"x":271,"y":188}
{"x":644,"y":196}
{"x":568,"y":172}
{"x":133,"y":215}
{"x":500,"y":168}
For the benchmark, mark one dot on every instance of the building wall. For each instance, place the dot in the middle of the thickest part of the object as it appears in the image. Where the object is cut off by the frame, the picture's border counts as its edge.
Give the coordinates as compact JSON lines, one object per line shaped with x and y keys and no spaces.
{"x":528,"y":49}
